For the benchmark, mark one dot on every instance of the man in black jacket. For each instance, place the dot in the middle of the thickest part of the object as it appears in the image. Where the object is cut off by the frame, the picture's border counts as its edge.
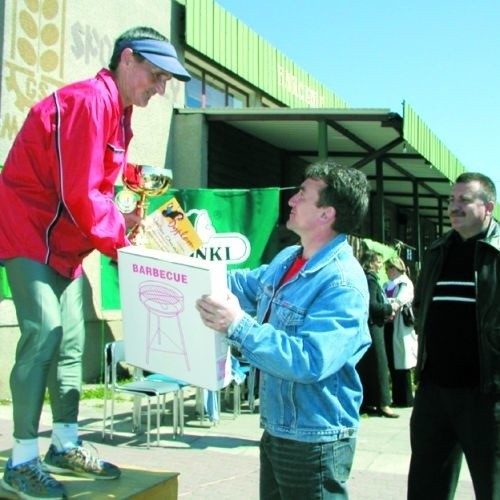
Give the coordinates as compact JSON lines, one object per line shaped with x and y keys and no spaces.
{"x":457,"y":302}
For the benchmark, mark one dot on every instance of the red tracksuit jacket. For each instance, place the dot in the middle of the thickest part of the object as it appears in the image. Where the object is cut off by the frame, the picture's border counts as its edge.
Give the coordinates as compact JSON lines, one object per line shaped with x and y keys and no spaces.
{"x":57,"y":185}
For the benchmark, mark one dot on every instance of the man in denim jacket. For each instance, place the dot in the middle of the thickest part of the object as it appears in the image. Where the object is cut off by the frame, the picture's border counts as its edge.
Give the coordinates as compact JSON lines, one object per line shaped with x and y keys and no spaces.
{"x":305,"y":328}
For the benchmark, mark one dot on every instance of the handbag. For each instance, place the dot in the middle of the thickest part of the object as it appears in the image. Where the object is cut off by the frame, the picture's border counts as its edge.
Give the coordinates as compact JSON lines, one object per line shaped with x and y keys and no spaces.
{"x":407,"y":314}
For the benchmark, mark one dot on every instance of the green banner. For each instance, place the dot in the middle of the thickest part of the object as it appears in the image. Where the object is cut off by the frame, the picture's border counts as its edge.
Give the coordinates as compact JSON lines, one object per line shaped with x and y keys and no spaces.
{"x":234,"y":224}
{"x":4,"y":285}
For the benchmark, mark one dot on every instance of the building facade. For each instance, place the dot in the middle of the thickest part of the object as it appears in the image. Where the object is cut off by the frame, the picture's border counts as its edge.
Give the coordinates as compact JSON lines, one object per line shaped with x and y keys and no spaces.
{"x":249,"y":118}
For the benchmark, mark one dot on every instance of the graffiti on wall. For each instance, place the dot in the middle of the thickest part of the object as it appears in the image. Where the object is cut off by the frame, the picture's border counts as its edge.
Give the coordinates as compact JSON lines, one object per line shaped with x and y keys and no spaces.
{"x":38,"y":37}
{"x":33,"y":65}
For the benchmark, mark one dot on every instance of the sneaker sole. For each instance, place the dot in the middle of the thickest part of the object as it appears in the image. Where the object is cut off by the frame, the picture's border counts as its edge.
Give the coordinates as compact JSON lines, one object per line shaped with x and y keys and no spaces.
{"x":59,"y":470}
{"x":20,"y":494}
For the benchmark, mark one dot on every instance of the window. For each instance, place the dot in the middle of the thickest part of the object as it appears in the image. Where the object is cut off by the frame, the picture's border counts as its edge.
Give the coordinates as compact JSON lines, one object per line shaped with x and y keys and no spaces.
{"x":194,"y":89}
{"x":206,"y":90}
{"x":213,"y":94}
{"x":237,"y":99}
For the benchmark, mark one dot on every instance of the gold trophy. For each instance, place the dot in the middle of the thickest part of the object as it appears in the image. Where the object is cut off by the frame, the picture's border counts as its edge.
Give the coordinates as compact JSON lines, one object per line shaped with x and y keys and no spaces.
{"x":146,"y":181}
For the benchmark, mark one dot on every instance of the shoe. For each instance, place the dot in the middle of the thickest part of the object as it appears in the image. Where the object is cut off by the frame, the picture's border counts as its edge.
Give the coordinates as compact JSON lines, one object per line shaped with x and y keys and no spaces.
{"x":387,"y":414}
{"x":29,"y":480}
{"x":79,"y":461}
{"x":368,"y":410}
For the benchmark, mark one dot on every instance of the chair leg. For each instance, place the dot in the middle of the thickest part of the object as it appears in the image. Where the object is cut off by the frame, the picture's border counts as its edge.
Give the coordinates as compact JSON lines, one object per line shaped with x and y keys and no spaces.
{"x":175,"y":414}
{"x":227,"y":393}
{"x":112,"y":415}
{"x":200,"y":403}
{"x":148,"y":430}
{"x":236,"y":399}
{"x":251,"y":389}
{"x":105,"y":416}
{"x":158,"y":420}
{"x":181,"y":410}
{"x":219,"y":407}
{"x":136,"y":414}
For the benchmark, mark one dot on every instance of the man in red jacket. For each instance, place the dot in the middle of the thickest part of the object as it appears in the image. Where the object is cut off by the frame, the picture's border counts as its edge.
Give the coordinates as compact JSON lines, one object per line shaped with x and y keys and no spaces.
{"x":57,"y":193}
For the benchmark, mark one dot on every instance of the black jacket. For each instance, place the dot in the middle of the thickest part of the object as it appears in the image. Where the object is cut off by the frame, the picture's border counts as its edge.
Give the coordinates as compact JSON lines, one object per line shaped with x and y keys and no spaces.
{"x":487,"y":283}
{"x":379,"y":308}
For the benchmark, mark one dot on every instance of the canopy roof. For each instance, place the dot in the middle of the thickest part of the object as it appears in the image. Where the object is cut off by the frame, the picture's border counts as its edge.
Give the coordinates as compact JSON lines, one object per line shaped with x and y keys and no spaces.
{"x":417,"y":169}
{"x":363,"y":138}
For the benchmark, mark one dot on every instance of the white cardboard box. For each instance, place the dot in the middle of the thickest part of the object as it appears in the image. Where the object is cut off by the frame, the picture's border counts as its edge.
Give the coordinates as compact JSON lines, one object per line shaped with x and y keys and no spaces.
{"x":162,"y":330}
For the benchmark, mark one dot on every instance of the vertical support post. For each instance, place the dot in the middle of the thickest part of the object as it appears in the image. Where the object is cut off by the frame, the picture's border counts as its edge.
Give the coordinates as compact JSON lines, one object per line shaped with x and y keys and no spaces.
{"x":441,"y":218}
{"x":379,"y":212}
{"x":416,"y":222}
{"x":322,"y":140}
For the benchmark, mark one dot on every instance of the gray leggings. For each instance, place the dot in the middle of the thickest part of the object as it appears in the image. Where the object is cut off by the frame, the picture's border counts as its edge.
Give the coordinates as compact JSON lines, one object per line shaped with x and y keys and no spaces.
{"x":49,"y":352}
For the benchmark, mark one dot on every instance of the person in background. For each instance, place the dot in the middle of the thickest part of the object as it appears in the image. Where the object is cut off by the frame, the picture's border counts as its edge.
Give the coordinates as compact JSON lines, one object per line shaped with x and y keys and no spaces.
{"x":305,"y":328}
{"x":57,"y":189}
{"x":373,"y":367}
{"x":400,"y":339}
{"x":457,"y":306}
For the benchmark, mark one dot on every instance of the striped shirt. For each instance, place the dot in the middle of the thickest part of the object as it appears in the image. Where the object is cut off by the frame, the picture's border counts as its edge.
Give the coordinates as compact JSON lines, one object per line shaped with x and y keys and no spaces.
{"x":452,"y":342}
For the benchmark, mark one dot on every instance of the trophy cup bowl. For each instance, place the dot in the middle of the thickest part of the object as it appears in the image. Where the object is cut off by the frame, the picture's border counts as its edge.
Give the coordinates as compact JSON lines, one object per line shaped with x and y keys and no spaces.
{"x":146,"y":181}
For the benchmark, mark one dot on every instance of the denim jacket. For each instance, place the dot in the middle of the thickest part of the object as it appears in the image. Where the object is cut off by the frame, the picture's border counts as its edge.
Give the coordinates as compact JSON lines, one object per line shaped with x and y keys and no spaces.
{"x":316,"y":332}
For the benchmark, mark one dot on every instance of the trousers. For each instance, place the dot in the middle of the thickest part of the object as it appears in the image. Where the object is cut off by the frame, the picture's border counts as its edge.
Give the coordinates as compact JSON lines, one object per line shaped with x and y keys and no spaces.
{"x":402,"y":391}
{"x":294,"y":470}
{"x":49,"y":352}
{"x":447,"y":424}
{"x":373,"y":369}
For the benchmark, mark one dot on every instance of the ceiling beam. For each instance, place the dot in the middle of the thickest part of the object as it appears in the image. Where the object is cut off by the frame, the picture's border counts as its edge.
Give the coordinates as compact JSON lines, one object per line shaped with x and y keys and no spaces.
{"x":350,"y":135}
{"x":403,"y":179}
{"x":407,"y":194}
{"x":378,"y":153}
{"x":288,"y":114}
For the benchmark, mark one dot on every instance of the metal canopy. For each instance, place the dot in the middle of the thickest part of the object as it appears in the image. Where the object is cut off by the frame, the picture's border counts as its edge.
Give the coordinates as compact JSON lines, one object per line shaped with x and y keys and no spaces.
{"x":361,"y":138}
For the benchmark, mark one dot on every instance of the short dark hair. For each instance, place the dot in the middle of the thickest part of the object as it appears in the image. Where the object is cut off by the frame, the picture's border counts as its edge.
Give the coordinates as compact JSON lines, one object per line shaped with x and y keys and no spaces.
{"x":368,"y":258}
{"x":347,"y":189}
{"x":488,"y":189}
{"x":137,"y":33}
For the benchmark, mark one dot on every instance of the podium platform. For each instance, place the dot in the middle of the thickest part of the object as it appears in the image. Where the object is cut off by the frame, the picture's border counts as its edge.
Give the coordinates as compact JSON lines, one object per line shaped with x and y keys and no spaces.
{"x":134,"y":484}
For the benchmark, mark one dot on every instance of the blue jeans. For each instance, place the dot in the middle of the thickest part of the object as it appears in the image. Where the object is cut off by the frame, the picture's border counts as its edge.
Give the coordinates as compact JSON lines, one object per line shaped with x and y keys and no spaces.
{"x":447,"y":423}
{"x":294,"y":470}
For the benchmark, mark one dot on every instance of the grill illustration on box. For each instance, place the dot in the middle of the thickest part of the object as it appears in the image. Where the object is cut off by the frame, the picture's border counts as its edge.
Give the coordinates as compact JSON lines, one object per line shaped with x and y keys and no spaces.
{"x":162,"y":330}
{"x":163,"y":301}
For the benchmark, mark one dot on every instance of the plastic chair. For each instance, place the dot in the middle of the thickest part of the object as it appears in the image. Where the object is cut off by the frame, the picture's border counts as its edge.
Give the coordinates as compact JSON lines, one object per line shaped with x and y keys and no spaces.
{"x":241,"y":372}
{"x":180,"y":399}
{"x":114,"y":353}
{"x":208,"y":404}
{"x":250,"y":372}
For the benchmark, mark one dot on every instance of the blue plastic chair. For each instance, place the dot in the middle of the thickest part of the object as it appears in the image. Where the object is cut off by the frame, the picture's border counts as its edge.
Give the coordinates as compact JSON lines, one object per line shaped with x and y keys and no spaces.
{"x":179,"y":404}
